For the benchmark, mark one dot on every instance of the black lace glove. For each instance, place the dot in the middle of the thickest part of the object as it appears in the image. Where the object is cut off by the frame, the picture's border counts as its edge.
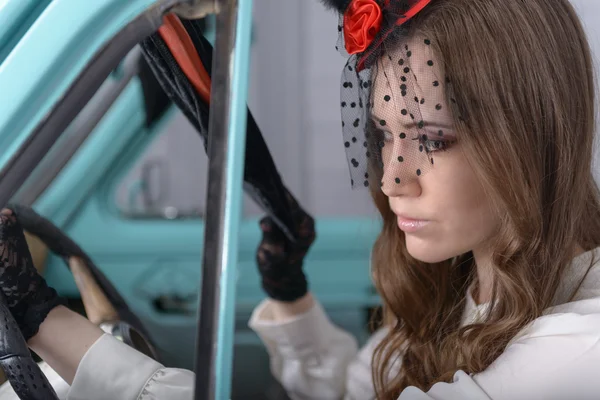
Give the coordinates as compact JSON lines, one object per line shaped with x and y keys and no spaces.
{"x":28,"y":296}
{"x":280,"y":261}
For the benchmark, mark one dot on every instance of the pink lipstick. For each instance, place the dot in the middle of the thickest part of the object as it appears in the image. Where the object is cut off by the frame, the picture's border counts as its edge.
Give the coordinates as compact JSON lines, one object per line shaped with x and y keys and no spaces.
{"x":410,"y":225}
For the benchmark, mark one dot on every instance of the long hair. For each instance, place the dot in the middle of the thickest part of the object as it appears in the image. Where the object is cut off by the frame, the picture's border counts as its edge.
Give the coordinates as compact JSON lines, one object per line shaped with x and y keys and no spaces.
{"x":521,"y":74}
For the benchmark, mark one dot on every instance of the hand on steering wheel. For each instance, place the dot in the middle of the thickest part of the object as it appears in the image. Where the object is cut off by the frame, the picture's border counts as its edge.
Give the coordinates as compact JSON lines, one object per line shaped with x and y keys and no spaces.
{"x":28,"y":297}
{"x":25,"y":301}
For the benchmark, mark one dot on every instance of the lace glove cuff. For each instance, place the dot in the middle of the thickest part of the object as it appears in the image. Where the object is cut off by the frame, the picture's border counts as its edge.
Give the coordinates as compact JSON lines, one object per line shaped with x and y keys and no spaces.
{"x":29,"y":298}
{"x":280,"y":261}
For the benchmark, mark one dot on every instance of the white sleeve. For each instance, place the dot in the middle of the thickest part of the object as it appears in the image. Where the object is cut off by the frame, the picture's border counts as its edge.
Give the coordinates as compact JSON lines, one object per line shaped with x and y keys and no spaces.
{"x":310,"y":356}
{"x":112,"y":370}
{"x":358,"y":385}
{"x":314,"y":359}
{"x":556,"y":357}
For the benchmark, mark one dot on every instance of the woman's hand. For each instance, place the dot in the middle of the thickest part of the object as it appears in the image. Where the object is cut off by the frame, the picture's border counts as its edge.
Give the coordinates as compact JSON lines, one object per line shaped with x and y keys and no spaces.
{"x":28,"y":296}
{"x":280,"y":261}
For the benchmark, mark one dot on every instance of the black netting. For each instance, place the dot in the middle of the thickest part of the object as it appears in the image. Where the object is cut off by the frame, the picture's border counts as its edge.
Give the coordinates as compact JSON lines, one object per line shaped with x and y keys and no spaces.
{"x":393,"y":100}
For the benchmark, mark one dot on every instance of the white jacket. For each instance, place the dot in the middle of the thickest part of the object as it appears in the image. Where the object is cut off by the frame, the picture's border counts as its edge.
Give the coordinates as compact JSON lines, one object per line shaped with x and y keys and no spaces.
{"x":556,"y":357}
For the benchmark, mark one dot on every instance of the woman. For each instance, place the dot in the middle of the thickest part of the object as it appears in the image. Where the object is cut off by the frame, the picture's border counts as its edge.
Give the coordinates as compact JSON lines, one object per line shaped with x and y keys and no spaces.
{"x":471,"y":121}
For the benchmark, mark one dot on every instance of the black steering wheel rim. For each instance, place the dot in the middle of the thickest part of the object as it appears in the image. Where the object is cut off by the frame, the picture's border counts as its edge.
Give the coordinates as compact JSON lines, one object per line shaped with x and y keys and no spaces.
{"x":23,"y":373}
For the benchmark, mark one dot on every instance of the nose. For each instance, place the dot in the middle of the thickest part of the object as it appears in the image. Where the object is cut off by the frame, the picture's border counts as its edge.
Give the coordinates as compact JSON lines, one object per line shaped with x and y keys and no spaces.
{"x":401,"y":175}
{"x":396,"y":182}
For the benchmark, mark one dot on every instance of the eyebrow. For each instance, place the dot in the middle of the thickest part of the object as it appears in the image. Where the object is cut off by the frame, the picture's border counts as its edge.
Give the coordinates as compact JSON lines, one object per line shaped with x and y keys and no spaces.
{"x":413,"y":124}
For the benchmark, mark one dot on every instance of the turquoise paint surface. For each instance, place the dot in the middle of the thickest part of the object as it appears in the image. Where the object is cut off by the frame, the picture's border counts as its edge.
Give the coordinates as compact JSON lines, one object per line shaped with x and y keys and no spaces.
{"x":49,"y":56}
{"x":16,"y":17}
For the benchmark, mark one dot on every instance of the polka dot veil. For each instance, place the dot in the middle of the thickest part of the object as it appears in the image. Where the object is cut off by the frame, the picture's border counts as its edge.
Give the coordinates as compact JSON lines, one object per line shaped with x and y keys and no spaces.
{"x":394,"y":111}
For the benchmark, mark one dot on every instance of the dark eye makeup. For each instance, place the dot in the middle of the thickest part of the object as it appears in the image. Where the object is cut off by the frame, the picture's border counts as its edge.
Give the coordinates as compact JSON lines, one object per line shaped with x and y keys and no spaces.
{"x":434,"y":144}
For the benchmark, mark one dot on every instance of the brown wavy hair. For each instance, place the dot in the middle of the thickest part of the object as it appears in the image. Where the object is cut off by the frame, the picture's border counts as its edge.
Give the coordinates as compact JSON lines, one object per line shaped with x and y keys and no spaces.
{"x":521,"y":73}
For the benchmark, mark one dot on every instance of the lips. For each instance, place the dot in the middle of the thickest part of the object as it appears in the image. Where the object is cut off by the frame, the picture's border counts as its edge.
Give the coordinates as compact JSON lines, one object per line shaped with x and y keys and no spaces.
{"x":406,"y":218}
{"x":410,"y":225}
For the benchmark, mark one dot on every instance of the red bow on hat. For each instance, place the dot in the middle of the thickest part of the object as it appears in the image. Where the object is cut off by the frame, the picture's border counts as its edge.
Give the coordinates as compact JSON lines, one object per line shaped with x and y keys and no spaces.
{"x":362,"y":22}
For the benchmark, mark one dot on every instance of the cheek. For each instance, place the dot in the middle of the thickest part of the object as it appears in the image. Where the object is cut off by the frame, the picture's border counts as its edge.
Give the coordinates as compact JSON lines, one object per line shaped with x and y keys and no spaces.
{"x":469,"y":217}
{"x":464,"y":218}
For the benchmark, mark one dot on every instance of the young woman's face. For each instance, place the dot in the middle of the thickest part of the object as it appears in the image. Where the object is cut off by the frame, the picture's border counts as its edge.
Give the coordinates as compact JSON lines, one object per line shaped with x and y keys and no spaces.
{"x":441,"y":206}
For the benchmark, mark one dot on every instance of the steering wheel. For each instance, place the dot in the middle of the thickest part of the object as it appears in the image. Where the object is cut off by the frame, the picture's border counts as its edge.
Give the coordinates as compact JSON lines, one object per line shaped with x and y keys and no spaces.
{"x":23,"y":373}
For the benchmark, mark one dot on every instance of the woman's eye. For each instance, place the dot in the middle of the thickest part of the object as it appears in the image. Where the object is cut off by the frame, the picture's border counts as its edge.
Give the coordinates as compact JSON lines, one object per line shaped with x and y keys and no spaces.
{"x":435,"y":145}
{"x":432,"y":146}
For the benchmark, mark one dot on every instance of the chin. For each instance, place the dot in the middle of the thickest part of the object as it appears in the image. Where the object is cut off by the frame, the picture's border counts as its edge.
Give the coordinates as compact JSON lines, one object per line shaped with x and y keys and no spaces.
{"x":427,"y":251}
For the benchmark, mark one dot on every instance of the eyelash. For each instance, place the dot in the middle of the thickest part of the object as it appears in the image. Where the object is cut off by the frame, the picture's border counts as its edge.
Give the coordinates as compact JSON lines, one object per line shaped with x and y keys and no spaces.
{"x":429,"y":145}
{"x":434,"y":146}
